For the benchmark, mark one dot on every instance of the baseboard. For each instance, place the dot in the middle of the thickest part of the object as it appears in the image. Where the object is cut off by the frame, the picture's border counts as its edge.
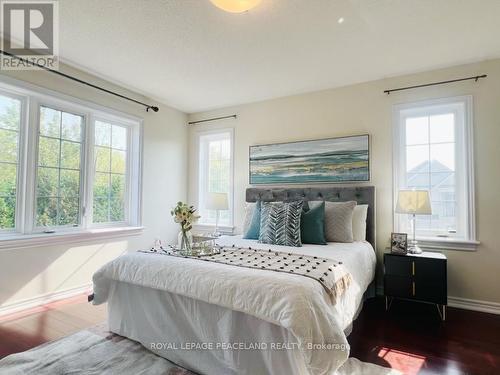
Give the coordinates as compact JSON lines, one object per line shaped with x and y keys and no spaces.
{"x":464,"y":303}
{"x":475,"y":305}
{"x":44,"y":299}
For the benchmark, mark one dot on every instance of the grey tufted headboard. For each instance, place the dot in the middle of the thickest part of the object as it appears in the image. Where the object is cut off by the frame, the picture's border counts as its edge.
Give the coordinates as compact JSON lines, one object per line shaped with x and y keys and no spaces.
{"x":360,"y":194}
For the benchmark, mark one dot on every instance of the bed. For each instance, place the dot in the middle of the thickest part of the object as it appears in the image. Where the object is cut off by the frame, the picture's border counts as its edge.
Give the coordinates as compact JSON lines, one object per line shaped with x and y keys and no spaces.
{"x":219,"y":319}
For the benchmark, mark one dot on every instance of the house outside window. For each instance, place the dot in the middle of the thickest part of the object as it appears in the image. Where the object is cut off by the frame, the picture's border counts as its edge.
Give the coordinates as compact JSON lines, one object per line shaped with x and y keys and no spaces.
{"x":433,"y":143}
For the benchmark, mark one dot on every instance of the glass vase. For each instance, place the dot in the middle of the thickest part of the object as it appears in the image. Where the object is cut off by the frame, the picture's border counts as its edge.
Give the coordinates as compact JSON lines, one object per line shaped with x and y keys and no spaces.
{"x":185,"y":242}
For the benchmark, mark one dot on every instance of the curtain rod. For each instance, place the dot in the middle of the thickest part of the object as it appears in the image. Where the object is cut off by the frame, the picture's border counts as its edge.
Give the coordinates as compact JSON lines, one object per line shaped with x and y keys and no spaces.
{"x":475,"y":78}
{"x":212,"y":119}
{"x":148,"y":106}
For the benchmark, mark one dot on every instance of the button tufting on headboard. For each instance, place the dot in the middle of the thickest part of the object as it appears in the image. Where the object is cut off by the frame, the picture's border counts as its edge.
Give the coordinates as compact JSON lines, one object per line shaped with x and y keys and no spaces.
{"x":360,"y":194}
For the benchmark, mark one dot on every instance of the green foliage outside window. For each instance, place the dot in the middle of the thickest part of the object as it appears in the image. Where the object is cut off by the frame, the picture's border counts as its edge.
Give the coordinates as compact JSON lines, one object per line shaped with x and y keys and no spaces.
{"x":59,"y":168}
{"x":9,"y":139}
{"x":109,"y":179}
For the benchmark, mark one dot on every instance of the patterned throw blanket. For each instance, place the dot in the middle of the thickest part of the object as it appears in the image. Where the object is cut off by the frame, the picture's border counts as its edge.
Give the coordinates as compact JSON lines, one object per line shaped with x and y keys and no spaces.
{"x":331,"y":274}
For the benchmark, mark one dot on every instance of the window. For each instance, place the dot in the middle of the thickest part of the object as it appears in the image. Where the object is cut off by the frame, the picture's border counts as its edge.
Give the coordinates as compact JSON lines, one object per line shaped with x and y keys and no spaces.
{"x":10,"y":126}
{"x":215,"y":173}
{"x":433,"y":151}
{"x":110,"y":161}
{"x":65,"y":166}
{"x":58,"y":176}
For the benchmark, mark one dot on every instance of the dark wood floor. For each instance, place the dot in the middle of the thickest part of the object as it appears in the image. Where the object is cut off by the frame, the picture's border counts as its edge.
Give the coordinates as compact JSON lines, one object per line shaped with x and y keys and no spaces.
{"x":25,"y":330}
{"x":410,"y":337}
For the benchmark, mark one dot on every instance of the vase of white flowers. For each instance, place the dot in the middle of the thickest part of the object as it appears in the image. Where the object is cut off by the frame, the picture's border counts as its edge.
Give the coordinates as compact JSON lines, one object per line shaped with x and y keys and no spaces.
{"x":185,"y":216}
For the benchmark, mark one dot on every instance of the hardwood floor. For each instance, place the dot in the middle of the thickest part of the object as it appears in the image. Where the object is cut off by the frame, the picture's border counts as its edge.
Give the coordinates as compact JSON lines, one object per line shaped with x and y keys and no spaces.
{"x":27,"y":329}
{"x":410,"y":337}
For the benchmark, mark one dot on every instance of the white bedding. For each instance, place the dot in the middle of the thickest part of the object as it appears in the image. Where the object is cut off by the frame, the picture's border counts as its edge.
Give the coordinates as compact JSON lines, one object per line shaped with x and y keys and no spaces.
{"x":358,"y":257}
{"x":293,"y":307}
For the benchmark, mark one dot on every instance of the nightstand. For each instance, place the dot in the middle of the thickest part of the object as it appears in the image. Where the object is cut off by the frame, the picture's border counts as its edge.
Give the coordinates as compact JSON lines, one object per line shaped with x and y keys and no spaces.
{"x":416,"y":277}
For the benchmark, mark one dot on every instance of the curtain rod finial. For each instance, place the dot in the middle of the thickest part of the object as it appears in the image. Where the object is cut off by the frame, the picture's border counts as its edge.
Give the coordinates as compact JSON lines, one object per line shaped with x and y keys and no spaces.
{"x":155,"y":109}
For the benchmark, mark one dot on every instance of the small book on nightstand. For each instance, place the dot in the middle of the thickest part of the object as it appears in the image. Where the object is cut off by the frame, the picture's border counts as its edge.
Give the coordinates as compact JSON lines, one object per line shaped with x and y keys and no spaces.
{"x":417,"y":277}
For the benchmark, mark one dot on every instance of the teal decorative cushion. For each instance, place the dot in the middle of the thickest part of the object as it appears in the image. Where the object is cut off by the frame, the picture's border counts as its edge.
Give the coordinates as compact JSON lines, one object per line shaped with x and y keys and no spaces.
{"x":312,"y":225}
{"x":253,"y":231}
{"x":280,"y":223}
{"x":249,"y":209}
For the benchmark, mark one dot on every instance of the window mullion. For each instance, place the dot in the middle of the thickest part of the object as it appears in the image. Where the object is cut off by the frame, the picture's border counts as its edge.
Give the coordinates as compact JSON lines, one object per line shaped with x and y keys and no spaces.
{"x":59,"y":195}
{"x":430,"y":162}
{"x":400,"y":169}
{"x":89,"y":169}
{"x":128,"y":176}
{"x":32,"y":127}
{"x":22,"y":149}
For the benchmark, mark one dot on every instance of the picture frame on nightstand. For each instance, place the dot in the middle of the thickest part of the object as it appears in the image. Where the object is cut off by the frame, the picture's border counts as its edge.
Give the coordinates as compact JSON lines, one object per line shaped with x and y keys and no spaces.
{"x":399,"y":243}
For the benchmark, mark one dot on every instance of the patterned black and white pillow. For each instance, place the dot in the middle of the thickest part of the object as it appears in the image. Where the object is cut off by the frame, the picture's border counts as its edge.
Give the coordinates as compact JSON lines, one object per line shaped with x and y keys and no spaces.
{"x":280,"y":223}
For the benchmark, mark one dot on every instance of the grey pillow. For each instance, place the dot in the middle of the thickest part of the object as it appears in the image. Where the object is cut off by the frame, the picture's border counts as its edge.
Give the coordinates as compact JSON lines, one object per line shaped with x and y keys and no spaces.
{"x":280,"y":223}
{"x":338,"y":220}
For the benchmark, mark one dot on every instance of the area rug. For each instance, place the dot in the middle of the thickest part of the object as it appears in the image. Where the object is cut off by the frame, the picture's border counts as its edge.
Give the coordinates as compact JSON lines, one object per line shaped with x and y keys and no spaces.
{"x":96,"y":351}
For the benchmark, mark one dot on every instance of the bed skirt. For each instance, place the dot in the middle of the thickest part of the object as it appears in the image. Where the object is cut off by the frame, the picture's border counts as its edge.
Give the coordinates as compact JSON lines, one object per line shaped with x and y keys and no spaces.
{"x":175,"y":327}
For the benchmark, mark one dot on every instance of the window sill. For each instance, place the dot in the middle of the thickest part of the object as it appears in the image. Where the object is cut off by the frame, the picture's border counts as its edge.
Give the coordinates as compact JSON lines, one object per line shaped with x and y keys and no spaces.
{"x":224,"y":229}
{"x":17,"y":241}
{"x":434,"y":243}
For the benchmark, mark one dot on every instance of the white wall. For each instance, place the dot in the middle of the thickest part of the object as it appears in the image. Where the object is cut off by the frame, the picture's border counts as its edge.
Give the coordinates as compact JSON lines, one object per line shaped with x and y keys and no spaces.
{"x":363,"y":108}
{"x":32,"y":272}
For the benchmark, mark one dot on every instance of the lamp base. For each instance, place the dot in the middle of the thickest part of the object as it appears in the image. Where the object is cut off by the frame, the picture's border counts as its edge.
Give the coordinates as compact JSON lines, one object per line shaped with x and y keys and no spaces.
{"x":414,"y":249}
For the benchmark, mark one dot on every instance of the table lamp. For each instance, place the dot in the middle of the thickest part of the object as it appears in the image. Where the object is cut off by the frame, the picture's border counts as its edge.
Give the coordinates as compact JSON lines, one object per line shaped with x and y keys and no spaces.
{"x":217,"y":202}
{"x":414,"y":202}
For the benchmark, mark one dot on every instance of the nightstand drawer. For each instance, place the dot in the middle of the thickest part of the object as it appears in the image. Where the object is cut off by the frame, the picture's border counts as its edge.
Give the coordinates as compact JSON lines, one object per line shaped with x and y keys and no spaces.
{"x":430,"y":271}
{"x":398,"y":265}
{"x":429,"y":292}
{"x":398,"y":286}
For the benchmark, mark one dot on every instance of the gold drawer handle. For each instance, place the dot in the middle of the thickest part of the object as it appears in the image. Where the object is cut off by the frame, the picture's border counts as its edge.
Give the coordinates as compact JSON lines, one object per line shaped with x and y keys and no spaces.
{"x":413,"y":284}
{"x":413,"y":268}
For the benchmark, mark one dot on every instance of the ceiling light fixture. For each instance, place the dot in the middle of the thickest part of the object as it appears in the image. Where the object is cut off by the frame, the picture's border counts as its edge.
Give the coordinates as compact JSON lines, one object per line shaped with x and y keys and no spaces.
{"x":341,"y":20}
{"x":235,"y":6}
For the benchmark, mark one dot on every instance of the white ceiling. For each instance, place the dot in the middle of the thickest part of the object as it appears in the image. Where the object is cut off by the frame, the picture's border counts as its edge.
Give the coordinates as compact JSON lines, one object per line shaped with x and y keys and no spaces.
{"x":194,"y":57}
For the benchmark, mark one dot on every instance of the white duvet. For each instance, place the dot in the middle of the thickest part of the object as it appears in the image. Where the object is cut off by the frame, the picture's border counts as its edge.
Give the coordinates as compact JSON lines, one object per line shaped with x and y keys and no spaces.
{"x":294,"y":302}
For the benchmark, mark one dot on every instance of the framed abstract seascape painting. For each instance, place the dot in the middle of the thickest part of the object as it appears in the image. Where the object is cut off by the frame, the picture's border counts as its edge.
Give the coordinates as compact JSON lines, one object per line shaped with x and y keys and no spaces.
{"x":332,"y":160}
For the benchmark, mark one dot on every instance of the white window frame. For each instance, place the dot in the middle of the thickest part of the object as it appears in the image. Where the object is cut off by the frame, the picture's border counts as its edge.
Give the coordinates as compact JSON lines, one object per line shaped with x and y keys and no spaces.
{"x":36,"y":104}
{"x":133,"y":184}
{"x":200,"y":176}
{"x":20,"y":178}
{"x":25,"y":233}
{"x":464,"y":142}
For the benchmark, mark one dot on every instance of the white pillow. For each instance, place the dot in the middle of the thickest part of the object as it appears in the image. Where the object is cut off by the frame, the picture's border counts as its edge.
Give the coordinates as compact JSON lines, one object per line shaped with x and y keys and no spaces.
{"x":249,"y":209}
{"x":359,"y":222}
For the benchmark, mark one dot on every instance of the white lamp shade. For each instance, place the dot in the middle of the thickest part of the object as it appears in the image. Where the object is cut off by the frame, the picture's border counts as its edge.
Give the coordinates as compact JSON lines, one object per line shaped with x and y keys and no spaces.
{"x":416,"y":202}
{"x":235,"y":6}
{"x":217,"y":201}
